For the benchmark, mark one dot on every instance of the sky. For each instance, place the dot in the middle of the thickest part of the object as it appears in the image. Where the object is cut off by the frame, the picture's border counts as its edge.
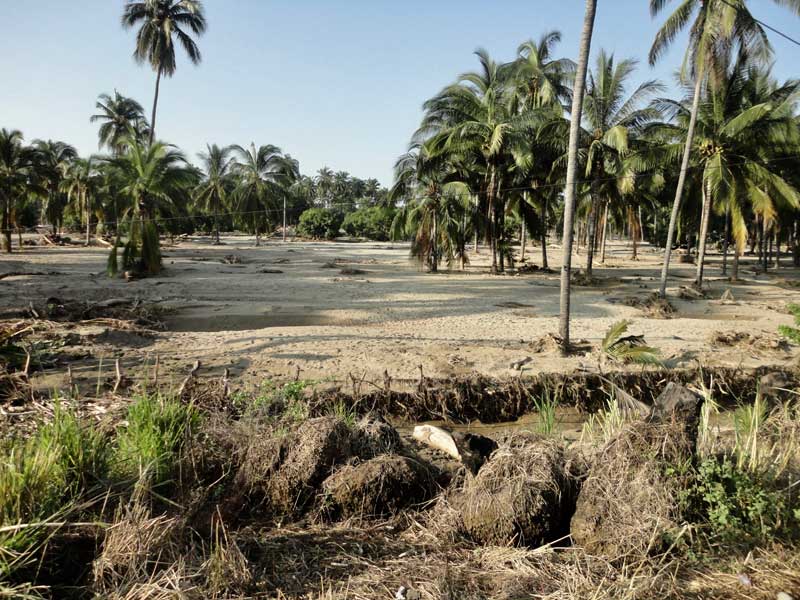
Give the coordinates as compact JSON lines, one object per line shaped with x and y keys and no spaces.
{"x":337,"y":84}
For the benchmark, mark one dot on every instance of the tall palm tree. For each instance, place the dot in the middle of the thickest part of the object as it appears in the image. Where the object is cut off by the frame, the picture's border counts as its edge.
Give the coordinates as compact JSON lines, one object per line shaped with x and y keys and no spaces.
{"x":741,"y":127}
{"x":541,"y":78}
{"x":612,"y":118}
{"x":264,"y":176}
{"x":52,"y":162}
{"x":716,"y":28}
{"x":572,"y":169}
{"x":435,"y":207}
{"x":80,"y":184}
{"x":324,"y":183}
{"x":212,"y":193}
{"x":153,"y":178}
{"x":118,"y":116}
{"x":17,"y":178}
{"x":162,"y":22}
{"x":474,"y":118}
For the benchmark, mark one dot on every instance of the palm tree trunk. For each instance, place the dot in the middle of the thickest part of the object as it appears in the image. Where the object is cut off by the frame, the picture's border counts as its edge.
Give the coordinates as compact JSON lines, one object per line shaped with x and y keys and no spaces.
{"x":777,"y":247}
{"x":701,"y":250}
{"x":501,"y":222}
{"x":155,"y":107}
{"x":544,"y":234}
{"x":88,"y":220}
{"x":735,"y":270}
{"x":216,"y":228}
{"x":434,"y":245}
{"x":676,"y":206}
{"x":591,"y":225}
{"x":492,"y":217}
{"x":726,"y":235}
{"x":522,"y":241}
{"x":604,"y":235}
{"x":284,"y":219}
{"x":572,"y":168}
{"x":764,"y":235}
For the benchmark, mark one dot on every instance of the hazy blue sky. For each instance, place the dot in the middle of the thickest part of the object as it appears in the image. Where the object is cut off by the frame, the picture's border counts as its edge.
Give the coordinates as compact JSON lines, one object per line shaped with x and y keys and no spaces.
{"x":333,"y":83}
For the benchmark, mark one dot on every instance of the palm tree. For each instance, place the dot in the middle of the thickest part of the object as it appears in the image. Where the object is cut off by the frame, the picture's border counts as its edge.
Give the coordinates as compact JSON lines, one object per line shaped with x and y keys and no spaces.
{"x":80,"y":184}
{"x":17,"y":178}
{"x":52,"y":162}
{"x":542,"y":80}
{"x":153,"y":178}
{"x":572,"y":169}
{"x":435,"y":207}
{"x":161,"y":23}
{"x":118,"y":116}
{"x":741,"y":127}
{"x":612,"y":119}
{"x":324,"y":183}
{"x":212,"y":193}
{"x":473,"y":118}
{"x":265,"y":175}
{"x":717,"y":27}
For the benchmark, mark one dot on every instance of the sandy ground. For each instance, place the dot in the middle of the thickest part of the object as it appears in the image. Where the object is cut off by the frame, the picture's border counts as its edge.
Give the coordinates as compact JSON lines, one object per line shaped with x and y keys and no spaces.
{"x":392,"y":316}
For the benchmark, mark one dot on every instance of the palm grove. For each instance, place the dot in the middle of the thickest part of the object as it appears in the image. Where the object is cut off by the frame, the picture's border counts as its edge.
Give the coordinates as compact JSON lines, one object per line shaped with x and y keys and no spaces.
{"x":511,"y":152}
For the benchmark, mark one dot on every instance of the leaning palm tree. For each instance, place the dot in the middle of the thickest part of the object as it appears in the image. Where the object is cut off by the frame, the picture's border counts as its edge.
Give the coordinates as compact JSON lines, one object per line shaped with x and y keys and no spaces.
{"x":162,"y":22}
{"x":80,"y":184}
{"x":52,"y":162}
{"x":212,"y":193}
{"x":118,"y":116}
{"x":264,"y":176}
{"x":572,"y":170}
{"x":153,"y":178}
{"x":716,"y":27}
{"x":612,"y":118}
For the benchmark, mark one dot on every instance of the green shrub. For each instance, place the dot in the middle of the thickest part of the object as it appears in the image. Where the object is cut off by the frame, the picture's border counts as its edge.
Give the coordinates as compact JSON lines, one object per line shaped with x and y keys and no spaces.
{"x":151,"y":442}
{"x":792,"y":333}
{"x":739,"y":506}
{"x":374,"y":223}
{"x":320,"y":223}
{"x":41,"y":477}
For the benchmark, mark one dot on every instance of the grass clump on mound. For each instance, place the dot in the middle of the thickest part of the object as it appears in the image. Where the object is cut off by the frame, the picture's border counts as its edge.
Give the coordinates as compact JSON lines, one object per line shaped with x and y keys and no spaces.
{"x":157,"y":427}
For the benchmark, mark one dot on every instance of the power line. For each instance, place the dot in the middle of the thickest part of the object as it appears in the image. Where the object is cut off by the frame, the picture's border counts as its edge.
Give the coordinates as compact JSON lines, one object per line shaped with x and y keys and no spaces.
{"x":766,"y":25}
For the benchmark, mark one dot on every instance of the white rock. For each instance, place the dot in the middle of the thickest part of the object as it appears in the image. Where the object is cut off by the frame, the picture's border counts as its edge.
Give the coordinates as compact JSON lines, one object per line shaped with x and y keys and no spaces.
{"x":437,"y":438}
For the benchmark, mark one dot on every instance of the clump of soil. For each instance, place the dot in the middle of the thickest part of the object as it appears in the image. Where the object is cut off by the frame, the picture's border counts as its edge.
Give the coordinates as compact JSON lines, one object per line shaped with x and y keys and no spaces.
{"x":745,"y":340}
{"x":629,"y":501}
{"x":232,"y":259}
{"x":546,"y":344}
{"x":380,"y":487}
{"x":690,"y":293}
{"x":352,"y":271}
{"x":373,"y":436}
{"x":520,"y":495}
{"x":120,"y":311}
{"x":653,"y":306}
{"x":297,"y":464}
{"x":583,"y":279}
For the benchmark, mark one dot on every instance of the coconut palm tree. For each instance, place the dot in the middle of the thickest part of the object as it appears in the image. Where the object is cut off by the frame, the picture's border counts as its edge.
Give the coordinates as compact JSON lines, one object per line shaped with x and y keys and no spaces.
{"x":52,"y":162}
{"x":212,"y":193}
{"x":154,"y":179}
{"x":118,"y":116}
{"x":542,"y":79}
{"x":80,"y":184}
{"x":435,"y":207}
{"x":161,"y":23}
{"x":264,"y":176}
{"x":572,"y":169}
{"x":17,"y":178}
{"x":612,"y":119}
{"x":741,"y":127}
{"x":716,"y":28}
{"x":474,"y":118}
